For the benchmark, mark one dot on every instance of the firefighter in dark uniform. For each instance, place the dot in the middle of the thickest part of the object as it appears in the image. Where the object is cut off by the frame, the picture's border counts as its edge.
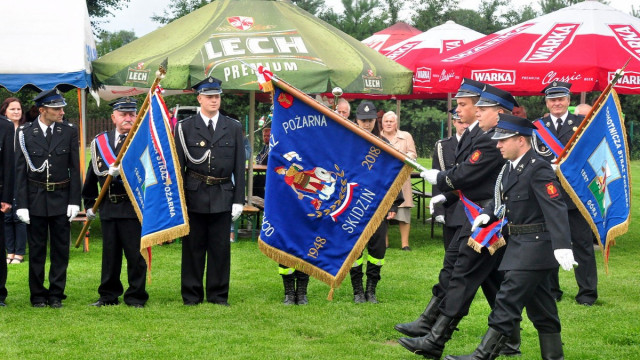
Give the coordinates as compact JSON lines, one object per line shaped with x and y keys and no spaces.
{"x":210,"y":149}
{"x":557,"y":98}
{"x":366,"y":116}
{"x":476,"y":178}
{"x":450,"y":214}
{"x":121,"y":228}
{"x":538,"y":240}
{"x":48,"y":194}
{"x":467,"y":96}
{"x":7,"y":173}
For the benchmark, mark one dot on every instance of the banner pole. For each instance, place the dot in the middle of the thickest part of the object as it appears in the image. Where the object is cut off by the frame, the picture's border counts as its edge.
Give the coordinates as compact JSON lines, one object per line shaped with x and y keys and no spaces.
{"x":346,"y":123}
{"x":594,"y":108}
{"x":162,"y":70}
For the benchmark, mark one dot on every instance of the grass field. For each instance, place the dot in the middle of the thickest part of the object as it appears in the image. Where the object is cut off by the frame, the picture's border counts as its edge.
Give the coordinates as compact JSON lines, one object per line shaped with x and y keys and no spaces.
{"x":258,"y":326}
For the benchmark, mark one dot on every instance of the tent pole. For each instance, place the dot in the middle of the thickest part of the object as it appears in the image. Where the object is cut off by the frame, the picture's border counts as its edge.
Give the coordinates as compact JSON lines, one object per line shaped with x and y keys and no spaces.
{"x":583,"y":97}
{"x":252,"y":121}
{"x":398,"y":103}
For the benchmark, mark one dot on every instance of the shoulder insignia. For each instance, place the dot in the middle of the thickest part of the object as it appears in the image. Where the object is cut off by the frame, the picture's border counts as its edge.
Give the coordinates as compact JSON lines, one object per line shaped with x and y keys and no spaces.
{"x":475,"y":156}
{"x":552,"y":191}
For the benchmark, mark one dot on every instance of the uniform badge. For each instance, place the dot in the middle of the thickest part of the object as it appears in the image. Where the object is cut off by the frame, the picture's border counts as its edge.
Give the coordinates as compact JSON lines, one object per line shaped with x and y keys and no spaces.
{"x":552,"y":190}
{"x":570,"y":122}
{"x":475,"y":156}
{"x":547,"y":124}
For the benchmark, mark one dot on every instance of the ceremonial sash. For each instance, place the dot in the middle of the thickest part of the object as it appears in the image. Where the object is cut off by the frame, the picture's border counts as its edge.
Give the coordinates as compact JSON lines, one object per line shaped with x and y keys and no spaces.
{"x":489,"y":236}
{"x":106,"y":153}
{"x":547,"y":137}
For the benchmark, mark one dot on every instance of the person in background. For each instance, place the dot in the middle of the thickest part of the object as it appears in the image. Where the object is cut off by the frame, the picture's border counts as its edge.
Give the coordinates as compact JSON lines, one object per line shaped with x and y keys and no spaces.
{"x":48,"y":194}
{"x":402,"y":141}
{"x":379,"y":116}
{"x":15,"y":231}
{"x":582,"y":109}
{"x":210,"y":149}
{"x":520,"y":111}
{"x":7,"y":164}
{"x":343,"y":108}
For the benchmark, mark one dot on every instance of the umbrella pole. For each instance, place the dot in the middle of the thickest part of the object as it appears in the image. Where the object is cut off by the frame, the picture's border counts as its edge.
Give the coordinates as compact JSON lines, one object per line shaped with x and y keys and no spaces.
{"x":583,"y":97}
{"x":398,"y":103}
{"x":448,"y":114}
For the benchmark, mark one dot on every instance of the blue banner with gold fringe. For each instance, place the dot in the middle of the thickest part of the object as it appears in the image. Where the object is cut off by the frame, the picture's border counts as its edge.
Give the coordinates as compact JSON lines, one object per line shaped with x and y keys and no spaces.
{"x":327,"y":190}
{"x":595,"y":173}
{"x":148,"y":169}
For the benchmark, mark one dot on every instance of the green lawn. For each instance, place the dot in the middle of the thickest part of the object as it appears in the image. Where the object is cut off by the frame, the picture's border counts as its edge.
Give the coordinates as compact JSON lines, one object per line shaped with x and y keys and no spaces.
{"x":258,"y":326}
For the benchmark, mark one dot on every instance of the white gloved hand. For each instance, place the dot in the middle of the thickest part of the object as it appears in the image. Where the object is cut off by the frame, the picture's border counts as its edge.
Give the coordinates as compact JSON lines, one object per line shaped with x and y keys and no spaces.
{"x":23,"y":215}
{"x":430,"y":175}
{"x":554,"y":167}
{"x":236,"y":211}
{"x":114,"y":171}
{"x":440,"y":219}
{"x":90,"y":215}
{"x":72,"y":212}
{"x":438,"y":199}
{"x":565,"y":258}
{"x":480,"y":220}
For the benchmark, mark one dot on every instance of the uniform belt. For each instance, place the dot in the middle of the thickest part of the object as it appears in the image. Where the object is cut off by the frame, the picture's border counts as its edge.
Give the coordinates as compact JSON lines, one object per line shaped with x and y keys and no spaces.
{"x":209,"y":180}
{"x":116,"y":198}
{"x":526,"y":229}
{"x":51,"y":186}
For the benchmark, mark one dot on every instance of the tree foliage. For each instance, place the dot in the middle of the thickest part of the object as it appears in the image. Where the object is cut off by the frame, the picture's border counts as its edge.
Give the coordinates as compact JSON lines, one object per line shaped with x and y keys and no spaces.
{"x":109,"y":41}
{"x":178,"y":9}
{"x":99,"y":9}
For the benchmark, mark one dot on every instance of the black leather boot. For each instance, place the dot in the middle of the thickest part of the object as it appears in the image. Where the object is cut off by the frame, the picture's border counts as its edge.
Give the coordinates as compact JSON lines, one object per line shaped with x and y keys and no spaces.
{"x":551,"y":346}
{"x":512,"y":346}
{"x":302,"y":280}
{"x":373,"y":276}
{"x":489,"y":348}
{"x":422,"y":325}
{"x":431,"y":345}
{"x":289,"y":282}
{"x":356,"y":283}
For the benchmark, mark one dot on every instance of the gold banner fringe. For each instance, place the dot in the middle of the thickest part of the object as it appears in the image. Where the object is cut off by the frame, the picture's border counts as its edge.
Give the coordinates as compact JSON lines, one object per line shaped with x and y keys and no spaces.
{"x":497,"y":245}
{"x":617,"y":230}
{"x":335,"y":281}
{"x":474,"y":245}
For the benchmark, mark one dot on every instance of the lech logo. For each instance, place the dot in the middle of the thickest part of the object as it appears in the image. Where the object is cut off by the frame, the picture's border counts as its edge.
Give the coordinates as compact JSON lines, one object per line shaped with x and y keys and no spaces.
{"x":241,"y":22}
{"x":137,"y":75}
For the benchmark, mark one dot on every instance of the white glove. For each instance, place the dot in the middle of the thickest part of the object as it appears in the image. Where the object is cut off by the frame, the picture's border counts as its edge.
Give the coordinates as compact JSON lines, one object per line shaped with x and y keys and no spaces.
{"x":440,"y":219}
{"x":72,"y":212}
{"x":236,"y":211}
{"x":430,"y":175}
{"x":481,"y":219}
{"x":23,"y":215}
{"x":554,"y":167}
{"x":114,"y":171}
{"x":438,"y":199}
{"x":565,"y":258}
{"x":90,"y":215}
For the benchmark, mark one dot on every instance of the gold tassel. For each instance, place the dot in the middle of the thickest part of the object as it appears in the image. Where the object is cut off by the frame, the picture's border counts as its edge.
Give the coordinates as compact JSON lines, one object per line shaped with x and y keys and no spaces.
{"x":474,"y":245}
{"x":330,"y":296}
{"x":497,"y":245}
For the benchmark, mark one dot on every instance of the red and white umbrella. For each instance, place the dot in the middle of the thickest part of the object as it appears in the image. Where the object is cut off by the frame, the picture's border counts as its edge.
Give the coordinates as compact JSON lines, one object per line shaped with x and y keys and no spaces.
{"x":390,"y":36}
{"x":583,"y":44}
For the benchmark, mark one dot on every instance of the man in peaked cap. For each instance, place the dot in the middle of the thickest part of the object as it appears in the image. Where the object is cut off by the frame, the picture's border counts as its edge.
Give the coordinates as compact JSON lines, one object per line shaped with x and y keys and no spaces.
{"x":469,"y":269}
{"x":120,"y":226}
{"x":563,"y":125}
{"x":538,"y":240}
{"x":48,"y":194}
{"x":210,"y":149}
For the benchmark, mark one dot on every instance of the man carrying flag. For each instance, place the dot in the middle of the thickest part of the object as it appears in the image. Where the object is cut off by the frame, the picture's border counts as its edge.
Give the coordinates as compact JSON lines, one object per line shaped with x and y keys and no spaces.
{"x":120,"y":226}
{"x":555,"y":131}
{"x":210,"y":149}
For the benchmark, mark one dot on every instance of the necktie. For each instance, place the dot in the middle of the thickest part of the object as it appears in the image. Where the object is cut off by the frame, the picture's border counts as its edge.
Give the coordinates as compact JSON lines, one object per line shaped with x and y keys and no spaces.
{"x":121,"y":138}
{"x":559,"y":125}
{"x":210,"y":127}
{"x":49,"y":134}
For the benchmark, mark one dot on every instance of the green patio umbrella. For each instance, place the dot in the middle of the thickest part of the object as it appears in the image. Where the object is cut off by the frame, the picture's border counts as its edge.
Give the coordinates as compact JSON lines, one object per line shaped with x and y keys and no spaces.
{"x":224,"y":38}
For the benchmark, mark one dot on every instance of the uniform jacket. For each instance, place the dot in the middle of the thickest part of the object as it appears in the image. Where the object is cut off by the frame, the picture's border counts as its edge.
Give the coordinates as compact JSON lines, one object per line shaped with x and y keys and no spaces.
{"x":7,"y":162}
{"x":531,"y":196}
{"x":476,"y":175}
{"x":64,"y":164}
{"x":114,"y":205}
{"x":452,"y":209}
{"x":227,"y":159}
{"x":569,"y":126}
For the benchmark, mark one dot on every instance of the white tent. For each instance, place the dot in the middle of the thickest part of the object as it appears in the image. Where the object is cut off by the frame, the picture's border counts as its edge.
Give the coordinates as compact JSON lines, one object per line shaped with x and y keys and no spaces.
{"x":46,"y":44}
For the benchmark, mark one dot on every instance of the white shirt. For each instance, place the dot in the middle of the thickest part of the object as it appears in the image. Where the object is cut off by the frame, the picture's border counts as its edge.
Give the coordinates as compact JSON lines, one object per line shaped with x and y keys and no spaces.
{"x":562,"y":119}
{"x":44,"y":127}
{"x":515,"y":162}
{"x":214,"y":118}
{"x":115,"y":141}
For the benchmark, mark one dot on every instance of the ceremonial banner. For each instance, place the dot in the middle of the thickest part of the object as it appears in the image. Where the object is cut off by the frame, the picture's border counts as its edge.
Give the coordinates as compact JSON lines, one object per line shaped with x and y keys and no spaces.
{"x":596,"y":174}
{"x":489,"y":236}
{"x":328,"y":188}
{"x":149,"y":170}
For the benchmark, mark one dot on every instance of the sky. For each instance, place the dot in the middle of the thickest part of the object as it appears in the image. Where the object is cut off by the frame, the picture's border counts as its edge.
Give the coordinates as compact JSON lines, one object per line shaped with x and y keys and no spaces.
{"x":137,"y":16}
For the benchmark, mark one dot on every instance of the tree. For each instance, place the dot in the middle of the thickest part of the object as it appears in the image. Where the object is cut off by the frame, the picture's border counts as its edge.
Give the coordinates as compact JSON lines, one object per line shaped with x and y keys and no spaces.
{"x":360,"y":18}
{"x":394,"y":7}
{"x":109,"y":41}
{"x":311,"y":6}
{"x":178,"y":9}
{"x":99,"y":9}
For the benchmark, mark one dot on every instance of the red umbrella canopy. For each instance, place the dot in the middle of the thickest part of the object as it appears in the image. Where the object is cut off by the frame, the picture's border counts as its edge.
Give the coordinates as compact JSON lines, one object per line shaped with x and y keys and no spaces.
{"x":390,"y":36}
{"x":583,"y":44}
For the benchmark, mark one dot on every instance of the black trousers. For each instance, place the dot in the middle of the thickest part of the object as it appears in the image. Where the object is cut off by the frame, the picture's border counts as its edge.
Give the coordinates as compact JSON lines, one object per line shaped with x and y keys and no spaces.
{"x":3,"y":265}
{"x":530,"y":289}
{"x":448,"y":233}
{"x":118,"y":236}
{"x":586,"y":273}
{"x":208,"y":240}
{"x":57,"y":230}
{"x":450,"y":256}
